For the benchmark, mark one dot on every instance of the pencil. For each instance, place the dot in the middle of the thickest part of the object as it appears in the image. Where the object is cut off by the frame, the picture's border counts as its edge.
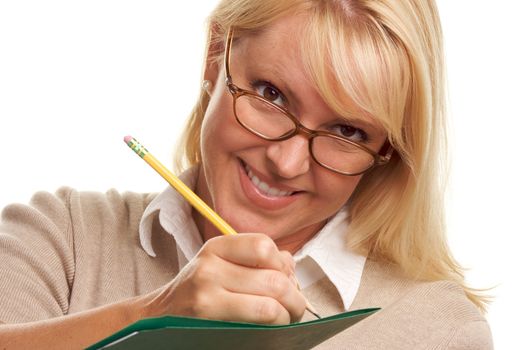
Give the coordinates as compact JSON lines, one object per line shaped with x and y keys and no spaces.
{"x":191,"y":197}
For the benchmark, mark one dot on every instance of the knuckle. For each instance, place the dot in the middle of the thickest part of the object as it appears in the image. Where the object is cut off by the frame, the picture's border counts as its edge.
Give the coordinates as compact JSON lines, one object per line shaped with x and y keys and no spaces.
{"x":263,"y":247}
{"x":201,"y":303}
{"x":287,"y":254}
{"x":268,"y":311}
{"x":203,"y":273}
{"x":278,"y":284}
{"x":209,"y":246}
{"x":288,"y":260}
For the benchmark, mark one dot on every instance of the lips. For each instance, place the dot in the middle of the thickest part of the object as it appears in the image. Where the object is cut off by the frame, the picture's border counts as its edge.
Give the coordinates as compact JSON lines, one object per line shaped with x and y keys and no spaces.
{"x":264,"y":187}
{"x":263,"y":194}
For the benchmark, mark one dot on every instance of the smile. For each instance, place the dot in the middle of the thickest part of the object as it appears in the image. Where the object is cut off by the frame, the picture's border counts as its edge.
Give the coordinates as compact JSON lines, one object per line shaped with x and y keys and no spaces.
{"x":266,"y":194}
{"x":264,"y":187}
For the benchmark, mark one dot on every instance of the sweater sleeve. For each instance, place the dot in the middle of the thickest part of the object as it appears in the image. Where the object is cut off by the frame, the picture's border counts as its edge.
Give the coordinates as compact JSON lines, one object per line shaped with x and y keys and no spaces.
{"x":474,"y":335}
{"x":37,"y":262}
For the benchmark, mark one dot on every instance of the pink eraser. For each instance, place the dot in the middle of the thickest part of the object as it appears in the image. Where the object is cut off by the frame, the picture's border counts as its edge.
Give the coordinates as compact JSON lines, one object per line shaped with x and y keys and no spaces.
{"x":127,"y":138}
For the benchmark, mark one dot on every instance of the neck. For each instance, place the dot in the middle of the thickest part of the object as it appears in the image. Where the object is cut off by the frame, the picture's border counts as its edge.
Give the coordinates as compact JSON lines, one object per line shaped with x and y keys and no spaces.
{"x":296,"y":241}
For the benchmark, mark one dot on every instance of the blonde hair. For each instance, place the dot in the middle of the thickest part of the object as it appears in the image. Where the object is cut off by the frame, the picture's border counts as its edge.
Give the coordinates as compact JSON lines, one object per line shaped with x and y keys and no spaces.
{"x":386,"y":56}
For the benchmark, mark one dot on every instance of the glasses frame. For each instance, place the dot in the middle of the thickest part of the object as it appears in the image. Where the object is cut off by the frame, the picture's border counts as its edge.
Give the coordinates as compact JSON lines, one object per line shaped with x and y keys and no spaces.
{"x":236,"y":92}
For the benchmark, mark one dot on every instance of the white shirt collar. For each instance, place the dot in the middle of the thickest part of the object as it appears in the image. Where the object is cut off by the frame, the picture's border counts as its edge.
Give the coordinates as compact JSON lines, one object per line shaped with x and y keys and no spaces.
{"x":325,"y":254}
{"x":175,"y":217}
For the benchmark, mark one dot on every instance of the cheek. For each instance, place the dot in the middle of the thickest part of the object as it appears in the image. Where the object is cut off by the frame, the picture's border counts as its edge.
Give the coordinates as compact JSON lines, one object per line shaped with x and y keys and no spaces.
{"x":221,"y":135}
{"x":220,"y":132}
{"x":216,"y":123}
{"x":336,"y":189}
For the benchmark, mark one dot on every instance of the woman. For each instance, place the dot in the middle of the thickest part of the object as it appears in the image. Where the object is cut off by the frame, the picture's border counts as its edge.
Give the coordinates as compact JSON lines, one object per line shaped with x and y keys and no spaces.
{"x":318,"y":135}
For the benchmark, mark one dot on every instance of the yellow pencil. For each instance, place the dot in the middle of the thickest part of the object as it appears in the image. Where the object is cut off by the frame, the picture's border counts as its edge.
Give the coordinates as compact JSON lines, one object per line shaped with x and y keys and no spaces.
{"x":189,"y":195}
{"x":175,"y":182}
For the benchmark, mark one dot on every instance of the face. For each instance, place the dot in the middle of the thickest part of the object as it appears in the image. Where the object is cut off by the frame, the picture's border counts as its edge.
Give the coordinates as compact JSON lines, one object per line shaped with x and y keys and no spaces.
{"x":263,"y":186}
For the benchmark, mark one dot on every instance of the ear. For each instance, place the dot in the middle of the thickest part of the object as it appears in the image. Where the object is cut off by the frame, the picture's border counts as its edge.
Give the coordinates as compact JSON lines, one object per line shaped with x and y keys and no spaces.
{"x":215,"y":50}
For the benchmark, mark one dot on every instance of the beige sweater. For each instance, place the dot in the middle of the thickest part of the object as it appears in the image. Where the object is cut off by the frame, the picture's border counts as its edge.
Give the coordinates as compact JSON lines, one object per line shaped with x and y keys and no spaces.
{"x":73,"y":251}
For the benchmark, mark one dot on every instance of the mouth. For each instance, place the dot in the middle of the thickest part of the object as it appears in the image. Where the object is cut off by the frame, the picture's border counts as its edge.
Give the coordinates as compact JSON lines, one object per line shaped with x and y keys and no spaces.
{"x":264,"y":187}
{"x":264,"y":194}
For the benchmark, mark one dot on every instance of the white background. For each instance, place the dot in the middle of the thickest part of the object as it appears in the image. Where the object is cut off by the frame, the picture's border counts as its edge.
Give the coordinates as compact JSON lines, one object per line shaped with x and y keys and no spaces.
{"x":75,"y":77}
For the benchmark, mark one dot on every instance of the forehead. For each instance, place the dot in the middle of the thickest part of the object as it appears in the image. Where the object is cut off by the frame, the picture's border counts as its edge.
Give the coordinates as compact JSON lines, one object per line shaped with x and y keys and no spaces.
{"x":275,"y":45}
{"x":278,"y":50}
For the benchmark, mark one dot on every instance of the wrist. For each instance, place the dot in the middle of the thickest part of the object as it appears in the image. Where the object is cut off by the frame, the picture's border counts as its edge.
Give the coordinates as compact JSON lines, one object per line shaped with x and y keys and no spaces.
{"x":150,"y":304}
{"x":135,"y":309}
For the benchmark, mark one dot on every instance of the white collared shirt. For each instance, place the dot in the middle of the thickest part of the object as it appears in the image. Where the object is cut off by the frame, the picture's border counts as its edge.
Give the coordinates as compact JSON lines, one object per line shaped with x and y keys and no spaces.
{"x":324,"y":255}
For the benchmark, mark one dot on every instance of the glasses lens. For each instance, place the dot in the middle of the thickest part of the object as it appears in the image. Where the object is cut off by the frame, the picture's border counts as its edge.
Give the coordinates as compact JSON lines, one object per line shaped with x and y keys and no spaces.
{"x":262,"y":118}
{"x":340,"y":155}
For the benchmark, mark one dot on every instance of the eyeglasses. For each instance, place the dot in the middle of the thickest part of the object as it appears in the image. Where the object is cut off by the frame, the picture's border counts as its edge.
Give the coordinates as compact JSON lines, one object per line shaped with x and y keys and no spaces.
{"x":272,"y":122}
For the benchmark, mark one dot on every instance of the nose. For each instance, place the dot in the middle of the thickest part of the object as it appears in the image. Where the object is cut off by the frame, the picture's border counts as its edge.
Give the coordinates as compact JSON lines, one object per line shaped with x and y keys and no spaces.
{"x":290,"y":157}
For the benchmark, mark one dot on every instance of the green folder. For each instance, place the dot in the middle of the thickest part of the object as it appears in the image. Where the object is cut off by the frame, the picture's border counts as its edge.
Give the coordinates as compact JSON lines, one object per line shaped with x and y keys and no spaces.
{"x":170,"y":332}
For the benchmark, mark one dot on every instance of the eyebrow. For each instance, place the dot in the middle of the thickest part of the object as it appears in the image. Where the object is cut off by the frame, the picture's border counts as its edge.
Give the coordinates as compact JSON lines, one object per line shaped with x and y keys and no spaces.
{"x":277,"y":74}
{"x":277,"y":70}
{"x":374,"y":129}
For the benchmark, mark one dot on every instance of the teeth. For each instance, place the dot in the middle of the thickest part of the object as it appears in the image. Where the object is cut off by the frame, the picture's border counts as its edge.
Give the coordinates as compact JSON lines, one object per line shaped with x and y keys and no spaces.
{"x":264,"y":187}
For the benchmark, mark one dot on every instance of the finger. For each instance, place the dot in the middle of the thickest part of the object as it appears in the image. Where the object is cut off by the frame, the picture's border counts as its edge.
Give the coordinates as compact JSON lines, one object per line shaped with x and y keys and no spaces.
{"x":288,"y":260}
{"x":249,"y":249}
{"x":250,"y":308}
{"x":268,"y":283}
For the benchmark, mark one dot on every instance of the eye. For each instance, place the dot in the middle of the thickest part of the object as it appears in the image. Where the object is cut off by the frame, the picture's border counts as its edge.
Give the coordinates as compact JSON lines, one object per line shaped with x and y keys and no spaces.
{"x":269,"y":92}
{"x":350,"y":132}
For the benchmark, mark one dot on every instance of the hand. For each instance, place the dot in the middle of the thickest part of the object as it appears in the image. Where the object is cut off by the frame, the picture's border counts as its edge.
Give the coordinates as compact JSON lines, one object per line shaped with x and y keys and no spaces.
{"x":235,"y":278}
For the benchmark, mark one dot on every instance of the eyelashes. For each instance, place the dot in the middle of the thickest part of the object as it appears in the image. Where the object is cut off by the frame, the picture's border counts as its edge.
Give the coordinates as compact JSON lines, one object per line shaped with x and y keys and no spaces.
{"x":269,"y":91}
{"x":349,"y":132}
{"x":341,"y":127}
